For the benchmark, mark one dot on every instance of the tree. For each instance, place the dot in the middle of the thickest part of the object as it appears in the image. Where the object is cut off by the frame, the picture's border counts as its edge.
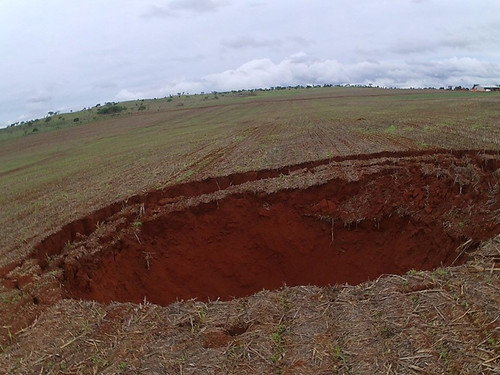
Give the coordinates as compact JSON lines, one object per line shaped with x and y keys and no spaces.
{"x":110,"y":109}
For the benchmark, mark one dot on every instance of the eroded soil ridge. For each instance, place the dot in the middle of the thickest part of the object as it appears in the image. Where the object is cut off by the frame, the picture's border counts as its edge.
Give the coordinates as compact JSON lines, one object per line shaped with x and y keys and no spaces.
{"x":331,"y":222}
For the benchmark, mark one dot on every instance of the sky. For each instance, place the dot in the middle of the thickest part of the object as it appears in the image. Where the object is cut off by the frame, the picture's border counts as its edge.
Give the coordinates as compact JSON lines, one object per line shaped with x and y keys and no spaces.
{"x":60,"y":55}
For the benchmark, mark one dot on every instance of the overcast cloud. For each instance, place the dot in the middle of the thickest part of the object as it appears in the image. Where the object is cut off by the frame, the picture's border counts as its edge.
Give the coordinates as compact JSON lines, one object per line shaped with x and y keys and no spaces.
{"x":59,"y":55}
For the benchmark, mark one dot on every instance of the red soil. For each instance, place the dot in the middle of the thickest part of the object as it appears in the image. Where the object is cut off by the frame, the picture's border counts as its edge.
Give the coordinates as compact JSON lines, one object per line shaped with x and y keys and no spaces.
{"x":239,"y":249}
{"x":398,"y":214}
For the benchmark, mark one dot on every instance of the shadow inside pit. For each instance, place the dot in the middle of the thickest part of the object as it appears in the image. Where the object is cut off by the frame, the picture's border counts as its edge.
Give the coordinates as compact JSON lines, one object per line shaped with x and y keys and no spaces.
{"x":243,"y":244}
{"x":222,"y":255}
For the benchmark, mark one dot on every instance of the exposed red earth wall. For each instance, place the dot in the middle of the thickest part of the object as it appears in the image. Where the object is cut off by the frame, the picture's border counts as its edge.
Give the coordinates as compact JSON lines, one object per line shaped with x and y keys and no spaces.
{"x":248,"y":241}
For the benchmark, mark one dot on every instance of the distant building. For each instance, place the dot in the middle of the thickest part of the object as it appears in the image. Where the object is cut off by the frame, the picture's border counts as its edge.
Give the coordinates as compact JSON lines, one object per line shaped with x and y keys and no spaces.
{"x":485,"y":88}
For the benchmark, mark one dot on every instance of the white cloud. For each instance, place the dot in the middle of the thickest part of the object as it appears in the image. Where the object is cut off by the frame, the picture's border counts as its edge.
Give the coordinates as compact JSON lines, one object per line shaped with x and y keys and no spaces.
{"x":198,"y":5}
{"x":299,"y":69}
{"x":250,"y":42}
{"x":103,"y":85}
{"x":175,"y":7}
{"x":125,"y":94}
{"x":42,"y":98}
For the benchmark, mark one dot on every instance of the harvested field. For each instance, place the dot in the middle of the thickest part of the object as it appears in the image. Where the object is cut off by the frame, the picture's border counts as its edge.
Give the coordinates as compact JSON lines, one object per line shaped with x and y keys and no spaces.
{"x":342,"y":245}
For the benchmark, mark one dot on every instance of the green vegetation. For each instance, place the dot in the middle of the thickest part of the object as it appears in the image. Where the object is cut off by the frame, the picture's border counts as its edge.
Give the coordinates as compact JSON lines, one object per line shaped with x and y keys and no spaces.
{"x":277,"y":336}
{"x":278,"y":351}
{"x":112,"y":108}
{"x":391,"y":129}
{"x":339,"y":354}
{"x":122,"y":367}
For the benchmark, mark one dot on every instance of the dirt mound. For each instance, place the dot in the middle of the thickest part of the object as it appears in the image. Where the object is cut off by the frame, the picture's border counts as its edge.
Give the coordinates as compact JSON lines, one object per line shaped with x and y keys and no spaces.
{"x":336,"y":222}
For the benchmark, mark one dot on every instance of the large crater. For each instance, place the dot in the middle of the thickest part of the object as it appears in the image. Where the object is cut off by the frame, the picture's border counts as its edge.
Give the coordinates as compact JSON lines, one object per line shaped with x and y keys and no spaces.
{"x":329,"y":222}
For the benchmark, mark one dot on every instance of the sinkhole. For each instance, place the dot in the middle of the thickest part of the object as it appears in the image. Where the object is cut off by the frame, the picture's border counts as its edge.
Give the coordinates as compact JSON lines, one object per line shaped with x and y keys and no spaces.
{"x":390,"y":218}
